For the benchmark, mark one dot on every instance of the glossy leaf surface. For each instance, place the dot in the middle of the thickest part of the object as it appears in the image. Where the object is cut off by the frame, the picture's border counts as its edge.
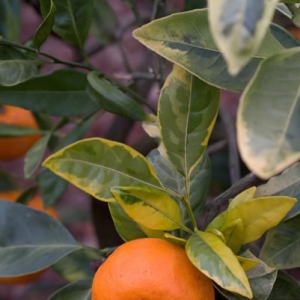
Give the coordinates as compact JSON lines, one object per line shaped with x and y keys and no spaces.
{"x":185,"y":39}
{"x":78,"y":290}
{"x":149,"y":207}
{"x":285,"y":184}
{"x":45,"y":28}
{"x":73,"y":19}
{"x":269,"y":145}
{"x":78,"y":265}
{"x":95,"y":165}
{"x":213,"y":258}
{"x":69,"y":86}
{"x":186,"y":115}
{"x":111,"y":99}
{"x":285,"y":287}
{"x":31,"y":243}
{"x":282,"y":245}
{"x":126,"y":227}
{"x":239,"y":28}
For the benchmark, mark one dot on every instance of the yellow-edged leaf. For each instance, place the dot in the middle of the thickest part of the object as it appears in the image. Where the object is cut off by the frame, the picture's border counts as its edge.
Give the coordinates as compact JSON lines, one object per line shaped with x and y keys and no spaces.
{"x":217,"y":233}
{"x":149,"y":207}
{"x":214,"y":259}
{"x":95,"y":165}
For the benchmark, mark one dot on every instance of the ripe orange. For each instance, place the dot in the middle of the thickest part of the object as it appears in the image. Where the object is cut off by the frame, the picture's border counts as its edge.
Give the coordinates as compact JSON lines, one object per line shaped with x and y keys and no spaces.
{"x":294,"y":30}
{"x":36,"y":203}
{"x":150,"y":269}
{"x":15,"y":147}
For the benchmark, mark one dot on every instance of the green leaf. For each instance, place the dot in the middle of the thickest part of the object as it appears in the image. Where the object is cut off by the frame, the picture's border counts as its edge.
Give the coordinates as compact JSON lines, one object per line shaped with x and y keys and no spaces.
{"x":243,"y":197}
{"x":45,"y":28}
{"x":35,"y":155}
{"x":37,"y":94}
{"x":261,"y":279}
{"x":185,"y":39}
{"x":72,"y":20}
{"x":282,"y":245}
{"x":269,"y":145}
{"x":187,"y":111}
{"x":111,"y":99}
{"x":285,"y":184}
{"x":78,"y":265}
{"x":10,"y":19}
{"x":246,"y":263}
{"x":105,"y":22}
{"x":13,"y":130}
{"x":32,"y":242}
{"x":285,"y":287}
{"x":233,"y":233}
{"x":149,"y":207}
{"x":78,"y":290}
{"x":239,"y":27}
{"x":126,"y":227}
{"x":95,"y":165}
{"x":259,"y":215}
{"x":13,"y":72}
{"x":213,"y":258}
{"x":51,"y":186}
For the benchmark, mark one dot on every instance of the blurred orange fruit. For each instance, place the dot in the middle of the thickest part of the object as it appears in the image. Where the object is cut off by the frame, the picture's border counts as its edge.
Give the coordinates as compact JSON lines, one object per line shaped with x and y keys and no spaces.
{"x":36,"y":203}
{"x":150,"y":269}
{"x":294,"y":30}
{"x":15,"y":147}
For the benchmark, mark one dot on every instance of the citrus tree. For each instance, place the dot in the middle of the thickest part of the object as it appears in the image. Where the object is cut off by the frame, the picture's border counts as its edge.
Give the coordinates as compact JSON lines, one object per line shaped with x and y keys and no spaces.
{"x":244,"y":249}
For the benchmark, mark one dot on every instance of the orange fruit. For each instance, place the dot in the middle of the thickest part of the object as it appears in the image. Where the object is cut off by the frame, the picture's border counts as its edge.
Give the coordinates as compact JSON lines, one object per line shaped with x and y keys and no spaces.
{"x":15,"y":147}
{"x":294,"y":30}
{"x":36,"y":203}
{"x":150,"y":269}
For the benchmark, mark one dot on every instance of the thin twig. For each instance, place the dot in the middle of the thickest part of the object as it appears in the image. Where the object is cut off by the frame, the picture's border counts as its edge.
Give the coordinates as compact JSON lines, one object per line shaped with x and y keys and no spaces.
{"x":54,"y":59}
{"x":234,"y":159}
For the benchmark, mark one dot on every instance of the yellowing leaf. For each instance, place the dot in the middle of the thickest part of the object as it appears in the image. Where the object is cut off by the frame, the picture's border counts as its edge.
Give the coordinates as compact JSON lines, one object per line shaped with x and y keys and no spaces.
{"x":149,"y":207}
{"x":247,"y":263}
{"x":242,"y":197}
{"x":260,"y":214}
{"x":213,"y":258}
{"x":233,"y":234}
{"x":217,"y":233}
{"x":175,"y":240}
{"x":218,"y":222}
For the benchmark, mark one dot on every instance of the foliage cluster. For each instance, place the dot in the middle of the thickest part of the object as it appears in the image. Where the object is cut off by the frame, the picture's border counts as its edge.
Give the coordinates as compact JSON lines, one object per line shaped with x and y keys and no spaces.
{"x":221,"y":45}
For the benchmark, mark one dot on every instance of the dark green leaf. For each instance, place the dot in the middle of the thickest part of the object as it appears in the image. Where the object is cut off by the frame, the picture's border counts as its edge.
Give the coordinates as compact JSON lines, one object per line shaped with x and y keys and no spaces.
{"x":12,"y":130}
{"x":35,"y":155}
{"x":32,"y":241}
{"x":282,"y":245}
{"x":125,"y":226}
{"x":285,"y":184}
{"x":78,"y":265}
{"x":45,"y":28}
{"x":72,"y":20}
{"x":111,"y":99}
{"x":61,"y":93}
{"x":26,"y":195}
{"x":105,"y":22}
{"x":7,"y":181}
{"x":10,"y":19}
{"x":285,"y":288}
{"x":78,"y":290}
{"x":51,"y":186}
